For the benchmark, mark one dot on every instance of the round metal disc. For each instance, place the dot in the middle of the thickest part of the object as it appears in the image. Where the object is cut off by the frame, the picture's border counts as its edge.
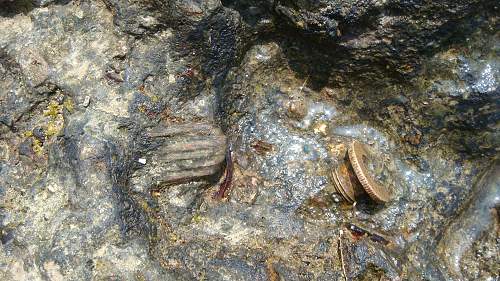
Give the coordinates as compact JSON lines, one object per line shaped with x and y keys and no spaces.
{"x":360,"y":160}
{"x":340,"y":188}
{"x":336,"y":183}
{"x":348,"y":182}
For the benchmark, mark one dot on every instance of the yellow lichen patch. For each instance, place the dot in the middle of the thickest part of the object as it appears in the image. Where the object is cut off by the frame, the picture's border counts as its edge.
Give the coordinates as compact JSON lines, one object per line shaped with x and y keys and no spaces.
{"x":53,"y":128}
{"x":173,"y":237}
{"x":140,"y":277}
{"x":54,"y":123}
{"x":258,"y":89}
{"x":144,"y":205}
{"x":142,"y":109}
{"x":37,"y":147}
{"x":197,"y":218}
{"x":69,"y":105}
{"x":53,"y":109}
{"x":55,"y":112}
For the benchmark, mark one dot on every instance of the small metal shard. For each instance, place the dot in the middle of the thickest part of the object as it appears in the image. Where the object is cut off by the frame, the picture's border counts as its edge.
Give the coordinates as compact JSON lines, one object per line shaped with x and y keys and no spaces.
{"x":226,"y":184}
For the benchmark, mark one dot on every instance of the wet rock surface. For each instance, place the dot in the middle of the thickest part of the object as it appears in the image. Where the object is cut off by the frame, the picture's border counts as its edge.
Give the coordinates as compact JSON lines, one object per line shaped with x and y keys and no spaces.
{"x":120,"y":120}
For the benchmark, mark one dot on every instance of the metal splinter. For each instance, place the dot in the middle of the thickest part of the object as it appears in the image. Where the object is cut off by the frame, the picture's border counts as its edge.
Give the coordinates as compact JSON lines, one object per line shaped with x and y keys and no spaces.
{"x":226,"y":184}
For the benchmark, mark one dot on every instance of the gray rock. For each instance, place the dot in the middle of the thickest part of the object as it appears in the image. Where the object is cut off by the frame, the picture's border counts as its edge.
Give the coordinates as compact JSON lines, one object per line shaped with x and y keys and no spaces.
{"x":122,"y":187}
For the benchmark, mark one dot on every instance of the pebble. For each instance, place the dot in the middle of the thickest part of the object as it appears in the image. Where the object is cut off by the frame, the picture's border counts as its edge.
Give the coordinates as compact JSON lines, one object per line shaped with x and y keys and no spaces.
{"x":86,"y":101}
{"x":26,"y":148}
{"x":39,"y":133}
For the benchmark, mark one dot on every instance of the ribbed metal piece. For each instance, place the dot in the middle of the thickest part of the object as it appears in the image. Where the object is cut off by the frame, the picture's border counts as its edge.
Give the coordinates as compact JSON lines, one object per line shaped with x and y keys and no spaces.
{"x":187,"y":151}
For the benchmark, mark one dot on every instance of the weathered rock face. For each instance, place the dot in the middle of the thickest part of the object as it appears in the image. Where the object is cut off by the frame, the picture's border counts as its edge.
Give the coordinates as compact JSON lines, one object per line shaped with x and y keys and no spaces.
{"x":116,"y":116}
{"x":414,"y":58}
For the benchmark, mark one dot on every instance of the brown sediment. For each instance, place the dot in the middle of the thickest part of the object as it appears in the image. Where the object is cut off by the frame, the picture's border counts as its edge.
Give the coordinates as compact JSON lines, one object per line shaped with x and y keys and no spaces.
{"x":262,"y":147}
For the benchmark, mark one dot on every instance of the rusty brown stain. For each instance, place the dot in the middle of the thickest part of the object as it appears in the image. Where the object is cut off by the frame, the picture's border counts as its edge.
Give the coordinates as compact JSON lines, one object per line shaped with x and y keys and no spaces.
{"x":271,"y":272}
{"x":262,"y":147}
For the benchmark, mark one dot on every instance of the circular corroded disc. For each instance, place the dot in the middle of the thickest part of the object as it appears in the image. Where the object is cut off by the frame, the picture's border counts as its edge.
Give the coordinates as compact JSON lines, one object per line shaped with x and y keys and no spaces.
{"x":336,"y":183}
{"x":360,"y":160}
{"x":347,"y":182}
{"x":338,"y":186}
{"x":341,"y":153}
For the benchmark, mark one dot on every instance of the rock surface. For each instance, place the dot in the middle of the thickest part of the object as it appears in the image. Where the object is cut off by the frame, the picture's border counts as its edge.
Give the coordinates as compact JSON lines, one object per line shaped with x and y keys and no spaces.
{"x":115,"y":118}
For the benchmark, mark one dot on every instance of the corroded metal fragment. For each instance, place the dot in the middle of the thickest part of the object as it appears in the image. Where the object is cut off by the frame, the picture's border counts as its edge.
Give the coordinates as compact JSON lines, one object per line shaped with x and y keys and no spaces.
{"x":357,"y":250}
{"x":354,"y":177}
{"x":339,"y":188}
{"x":183,"y":129}
{"x":346,"y":183}
{"x":226,"y":184}
{"x":365,"y":166}
{"x":183,"y":152}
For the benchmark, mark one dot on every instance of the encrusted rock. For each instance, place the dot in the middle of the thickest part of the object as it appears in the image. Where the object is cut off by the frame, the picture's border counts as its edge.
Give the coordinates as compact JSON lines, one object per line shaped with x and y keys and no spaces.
{"x":473,"y":222}
{"x":100,"y":198}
